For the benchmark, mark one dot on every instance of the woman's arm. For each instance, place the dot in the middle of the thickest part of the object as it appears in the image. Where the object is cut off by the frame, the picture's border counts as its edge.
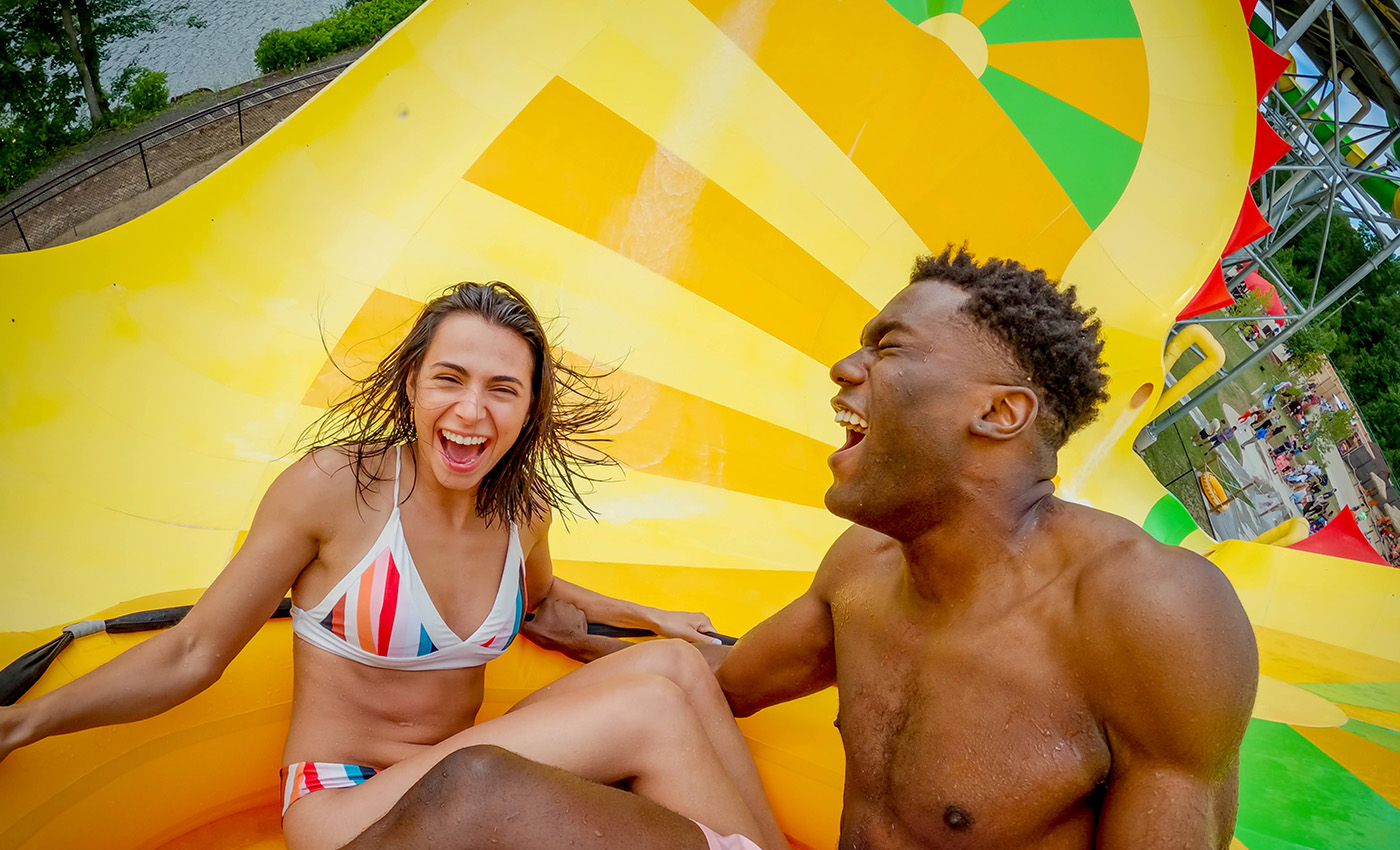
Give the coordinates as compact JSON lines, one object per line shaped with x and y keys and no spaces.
{"x":176,"y":664}
{"x":690,"y":625}
{"x":596,"y":608}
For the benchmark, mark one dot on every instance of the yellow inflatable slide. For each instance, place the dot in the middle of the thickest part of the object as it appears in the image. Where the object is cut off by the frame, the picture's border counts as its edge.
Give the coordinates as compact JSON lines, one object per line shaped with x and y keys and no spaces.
{"x":716,"y":195}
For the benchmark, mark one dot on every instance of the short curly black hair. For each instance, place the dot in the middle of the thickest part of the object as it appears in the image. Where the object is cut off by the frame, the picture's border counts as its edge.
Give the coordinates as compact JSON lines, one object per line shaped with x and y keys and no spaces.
{"x":1053,"y":339}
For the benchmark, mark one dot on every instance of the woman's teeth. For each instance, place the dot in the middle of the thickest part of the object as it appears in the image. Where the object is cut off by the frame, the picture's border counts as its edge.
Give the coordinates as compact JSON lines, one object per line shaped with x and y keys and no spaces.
{"x":852,"y":420}
{"x":465,"y":441}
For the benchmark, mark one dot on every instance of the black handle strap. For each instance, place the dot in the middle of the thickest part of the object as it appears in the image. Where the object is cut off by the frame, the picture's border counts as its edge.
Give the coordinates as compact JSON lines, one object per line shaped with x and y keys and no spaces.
{"x":21,"y":674}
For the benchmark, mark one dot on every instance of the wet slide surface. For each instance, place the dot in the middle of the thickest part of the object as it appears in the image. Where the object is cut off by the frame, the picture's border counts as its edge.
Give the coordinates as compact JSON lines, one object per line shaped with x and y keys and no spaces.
{"x":716,"y":196}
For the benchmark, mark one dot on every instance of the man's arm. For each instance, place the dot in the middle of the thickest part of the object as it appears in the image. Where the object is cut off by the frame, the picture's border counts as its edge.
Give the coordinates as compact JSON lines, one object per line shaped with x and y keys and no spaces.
{"x":793,"y":652}
{"x":1175,"y":670}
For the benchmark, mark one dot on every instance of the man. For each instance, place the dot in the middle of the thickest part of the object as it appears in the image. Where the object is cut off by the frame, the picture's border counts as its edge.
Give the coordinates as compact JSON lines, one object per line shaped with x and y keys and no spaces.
{"x":1015,"y":671}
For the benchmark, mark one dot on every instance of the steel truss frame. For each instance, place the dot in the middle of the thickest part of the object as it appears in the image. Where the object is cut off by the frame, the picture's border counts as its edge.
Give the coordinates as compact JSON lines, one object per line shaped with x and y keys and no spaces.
{"x":1310,"y":180}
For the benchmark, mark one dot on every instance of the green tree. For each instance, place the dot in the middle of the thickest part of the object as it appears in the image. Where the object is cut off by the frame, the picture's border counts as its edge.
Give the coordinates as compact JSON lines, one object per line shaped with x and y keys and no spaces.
{"x":1383,"y":416}
{"x":1347,"y":249}
{"x":89,"y":28}
{"x":1309,"y":349}
{"x":1362,"y":339}
{"x":69,"y":40}
{"x":51,"y":63}
{"x":1246,"y":304}
{"x":1332,"y":428}
{"x":38,"y":108}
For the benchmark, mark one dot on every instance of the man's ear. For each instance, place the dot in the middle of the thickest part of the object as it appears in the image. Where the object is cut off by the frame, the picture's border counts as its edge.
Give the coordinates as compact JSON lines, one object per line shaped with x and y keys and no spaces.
{"x":1008,"y":412}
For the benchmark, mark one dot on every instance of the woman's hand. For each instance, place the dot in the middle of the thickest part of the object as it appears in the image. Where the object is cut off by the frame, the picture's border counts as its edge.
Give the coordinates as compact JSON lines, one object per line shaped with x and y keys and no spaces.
{"x":686,"y":625}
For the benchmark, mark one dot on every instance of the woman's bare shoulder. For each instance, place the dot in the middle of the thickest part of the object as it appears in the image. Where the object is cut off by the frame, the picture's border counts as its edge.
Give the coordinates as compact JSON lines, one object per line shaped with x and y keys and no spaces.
{"x":533,"y":529}
{"x":334,"y":478}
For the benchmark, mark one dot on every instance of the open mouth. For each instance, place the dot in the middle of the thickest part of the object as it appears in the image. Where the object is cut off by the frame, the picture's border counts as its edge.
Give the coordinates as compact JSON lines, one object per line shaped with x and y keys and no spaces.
{"x":461,"y":452}
{"x":855,"y":425}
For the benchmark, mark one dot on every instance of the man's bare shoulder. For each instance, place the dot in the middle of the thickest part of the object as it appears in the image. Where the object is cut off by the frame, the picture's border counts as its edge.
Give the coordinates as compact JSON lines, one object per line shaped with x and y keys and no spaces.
{"x":856,"y":553}
{"x":1160,"y":629}
{"x":1128,"y":577}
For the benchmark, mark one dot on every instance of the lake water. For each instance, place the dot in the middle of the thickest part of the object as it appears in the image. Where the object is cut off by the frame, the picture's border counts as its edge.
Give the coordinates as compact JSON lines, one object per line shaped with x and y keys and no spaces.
{"x":220,"y":53}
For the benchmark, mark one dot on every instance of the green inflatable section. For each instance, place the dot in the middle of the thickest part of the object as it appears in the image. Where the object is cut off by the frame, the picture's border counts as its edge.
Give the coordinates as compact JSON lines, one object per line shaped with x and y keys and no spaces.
{"x":1169,"y":521}
{"x":1383,"y":695}
{"x":1290,"y":787}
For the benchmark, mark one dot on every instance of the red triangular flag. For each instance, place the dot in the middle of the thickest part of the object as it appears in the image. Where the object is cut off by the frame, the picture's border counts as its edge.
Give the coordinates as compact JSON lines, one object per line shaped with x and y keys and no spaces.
{"x":1269,"y":148}
{"x":1250,"y":227}
{"x":1341,"y":538}
{"x":1268,"y":66}
{"x":1214,"y":295}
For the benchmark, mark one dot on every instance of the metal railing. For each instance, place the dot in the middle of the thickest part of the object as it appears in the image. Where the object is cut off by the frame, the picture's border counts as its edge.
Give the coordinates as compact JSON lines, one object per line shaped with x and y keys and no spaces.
{"x":39,"y":216}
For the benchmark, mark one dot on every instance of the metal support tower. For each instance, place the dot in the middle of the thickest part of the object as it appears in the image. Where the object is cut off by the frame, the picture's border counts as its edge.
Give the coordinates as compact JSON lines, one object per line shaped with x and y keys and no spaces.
{"x":1354,"y":49}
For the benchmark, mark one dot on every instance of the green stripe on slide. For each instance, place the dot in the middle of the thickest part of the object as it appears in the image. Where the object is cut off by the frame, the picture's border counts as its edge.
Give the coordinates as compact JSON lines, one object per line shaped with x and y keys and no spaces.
{"x":1091,"y":160}
{"x":1169,"y":521}
{"x":1293,"y":795}
{"x":918,"y":11}
{"x":1057,"y":20}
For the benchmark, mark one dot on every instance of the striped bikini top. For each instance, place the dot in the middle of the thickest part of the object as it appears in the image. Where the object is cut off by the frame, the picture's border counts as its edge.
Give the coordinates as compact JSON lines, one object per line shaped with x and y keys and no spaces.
{"x":381,"y":615}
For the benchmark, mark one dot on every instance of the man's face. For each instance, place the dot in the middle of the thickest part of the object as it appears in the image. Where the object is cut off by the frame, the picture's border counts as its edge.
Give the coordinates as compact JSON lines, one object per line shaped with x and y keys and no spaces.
{"x":922,"y":375}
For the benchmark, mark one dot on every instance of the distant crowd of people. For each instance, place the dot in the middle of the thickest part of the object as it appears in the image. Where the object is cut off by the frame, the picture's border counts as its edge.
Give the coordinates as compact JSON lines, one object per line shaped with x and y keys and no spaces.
{"x":1264,"y":422}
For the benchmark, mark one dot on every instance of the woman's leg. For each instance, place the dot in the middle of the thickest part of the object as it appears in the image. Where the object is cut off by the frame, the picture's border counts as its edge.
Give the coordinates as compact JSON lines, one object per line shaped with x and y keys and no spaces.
{"x":686,"y":667}
{"x":634,"y":728}
{"x":531,"y":806}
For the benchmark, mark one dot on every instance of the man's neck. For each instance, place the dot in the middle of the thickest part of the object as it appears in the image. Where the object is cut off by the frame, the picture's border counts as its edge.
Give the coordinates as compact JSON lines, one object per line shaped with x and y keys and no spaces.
{"x":982,"y":543}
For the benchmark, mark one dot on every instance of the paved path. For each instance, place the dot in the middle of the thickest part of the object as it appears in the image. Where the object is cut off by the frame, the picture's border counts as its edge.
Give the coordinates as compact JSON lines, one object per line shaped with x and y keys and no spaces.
{"x":1270,"y":493}
{"x":1345,"y":484}
{"x":1255,"y":473}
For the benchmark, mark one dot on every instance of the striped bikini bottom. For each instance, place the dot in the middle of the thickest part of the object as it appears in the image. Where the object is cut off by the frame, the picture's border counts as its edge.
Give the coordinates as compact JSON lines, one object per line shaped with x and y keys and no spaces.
{"x":302,"y":778}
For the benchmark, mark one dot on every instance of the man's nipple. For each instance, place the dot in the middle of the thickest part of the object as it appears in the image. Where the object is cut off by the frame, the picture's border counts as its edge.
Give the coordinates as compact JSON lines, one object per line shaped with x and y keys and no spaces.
{"x":957,"y":819}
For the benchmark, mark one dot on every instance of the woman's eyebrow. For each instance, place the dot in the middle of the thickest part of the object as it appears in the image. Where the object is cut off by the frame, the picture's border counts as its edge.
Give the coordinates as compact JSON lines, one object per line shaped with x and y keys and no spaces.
{"x":511,"y":379}
{"x":453,"y":366}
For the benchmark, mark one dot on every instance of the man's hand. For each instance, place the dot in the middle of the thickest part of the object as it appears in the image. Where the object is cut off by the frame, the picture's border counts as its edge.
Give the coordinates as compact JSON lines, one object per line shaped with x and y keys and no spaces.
{"x":11,"y":737}
{"x":558,"y":625}
{"x":686,"y":625}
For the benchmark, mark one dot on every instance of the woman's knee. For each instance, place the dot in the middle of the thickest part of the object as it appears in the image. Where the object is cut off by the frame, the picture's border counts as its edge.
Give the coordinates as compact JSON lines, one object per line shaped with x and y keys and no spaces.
{"x":679,"y":661}
{"x":651,"y":701}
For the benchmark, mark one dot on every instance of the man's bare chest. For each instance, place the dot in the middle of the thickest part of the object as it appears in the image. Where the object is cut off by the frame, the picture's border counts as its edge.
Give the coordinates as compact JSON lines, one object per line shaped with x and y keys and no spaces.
{"x":967,"y":737}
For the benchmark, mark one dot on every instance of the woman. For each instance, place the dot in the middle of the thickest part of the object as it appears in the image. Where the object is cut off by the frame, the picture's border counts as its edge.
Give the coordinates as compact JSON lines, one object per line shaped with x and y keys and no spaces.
{"x":420,"y":515}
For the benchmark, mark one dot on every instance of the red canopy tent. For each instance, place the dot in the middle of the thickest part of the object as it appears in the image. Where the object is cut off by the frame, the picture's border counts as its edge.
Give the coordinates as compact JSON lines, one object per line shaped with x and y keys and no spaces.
{"x":1341,"y":538}
{"x":1273,"y":305}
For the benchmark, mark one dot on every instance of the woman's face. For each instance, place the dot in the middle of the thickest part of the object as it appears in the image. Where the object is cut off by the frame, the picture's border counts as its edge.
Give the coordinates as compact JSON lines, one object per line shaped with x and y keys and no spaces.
{"x":470,"y":398}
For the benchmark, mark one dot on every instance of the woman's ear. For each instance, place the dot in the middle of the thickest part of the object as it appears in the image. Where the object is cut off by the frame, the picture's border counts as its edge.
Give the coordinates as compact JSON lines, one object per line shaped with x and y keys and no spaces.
{"x":1008,"y":412}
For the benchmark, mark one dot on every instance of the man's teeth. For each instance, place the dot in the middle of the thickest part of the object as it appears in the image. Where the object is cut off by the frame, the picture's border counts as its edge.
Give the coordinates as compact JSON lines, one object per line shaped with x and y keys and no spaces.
{"x":465,"y":441}
{"x":852,"y":420}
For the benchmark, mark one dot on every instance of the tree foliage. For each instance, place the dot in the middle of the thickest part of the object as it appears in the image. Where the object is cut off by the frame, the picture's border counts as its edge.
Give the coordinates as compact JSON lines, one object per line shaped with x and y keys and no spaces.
{"x":1309,"y":349}
{"x":1363,"y":337}
{"x":1247,"y":303}
{"x":1332,"y":428}
{"x":148,"y":92}
{"x":38,"y":112}
{"x":358,"y":23}
{"x":52,"y":55}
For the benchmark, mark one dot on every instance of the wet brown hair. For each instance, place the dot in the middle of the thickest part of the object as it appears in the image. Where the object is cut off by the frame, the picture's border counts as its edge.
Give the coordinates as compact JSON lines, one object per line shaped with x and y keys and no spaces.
{"x":559,"y":446}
